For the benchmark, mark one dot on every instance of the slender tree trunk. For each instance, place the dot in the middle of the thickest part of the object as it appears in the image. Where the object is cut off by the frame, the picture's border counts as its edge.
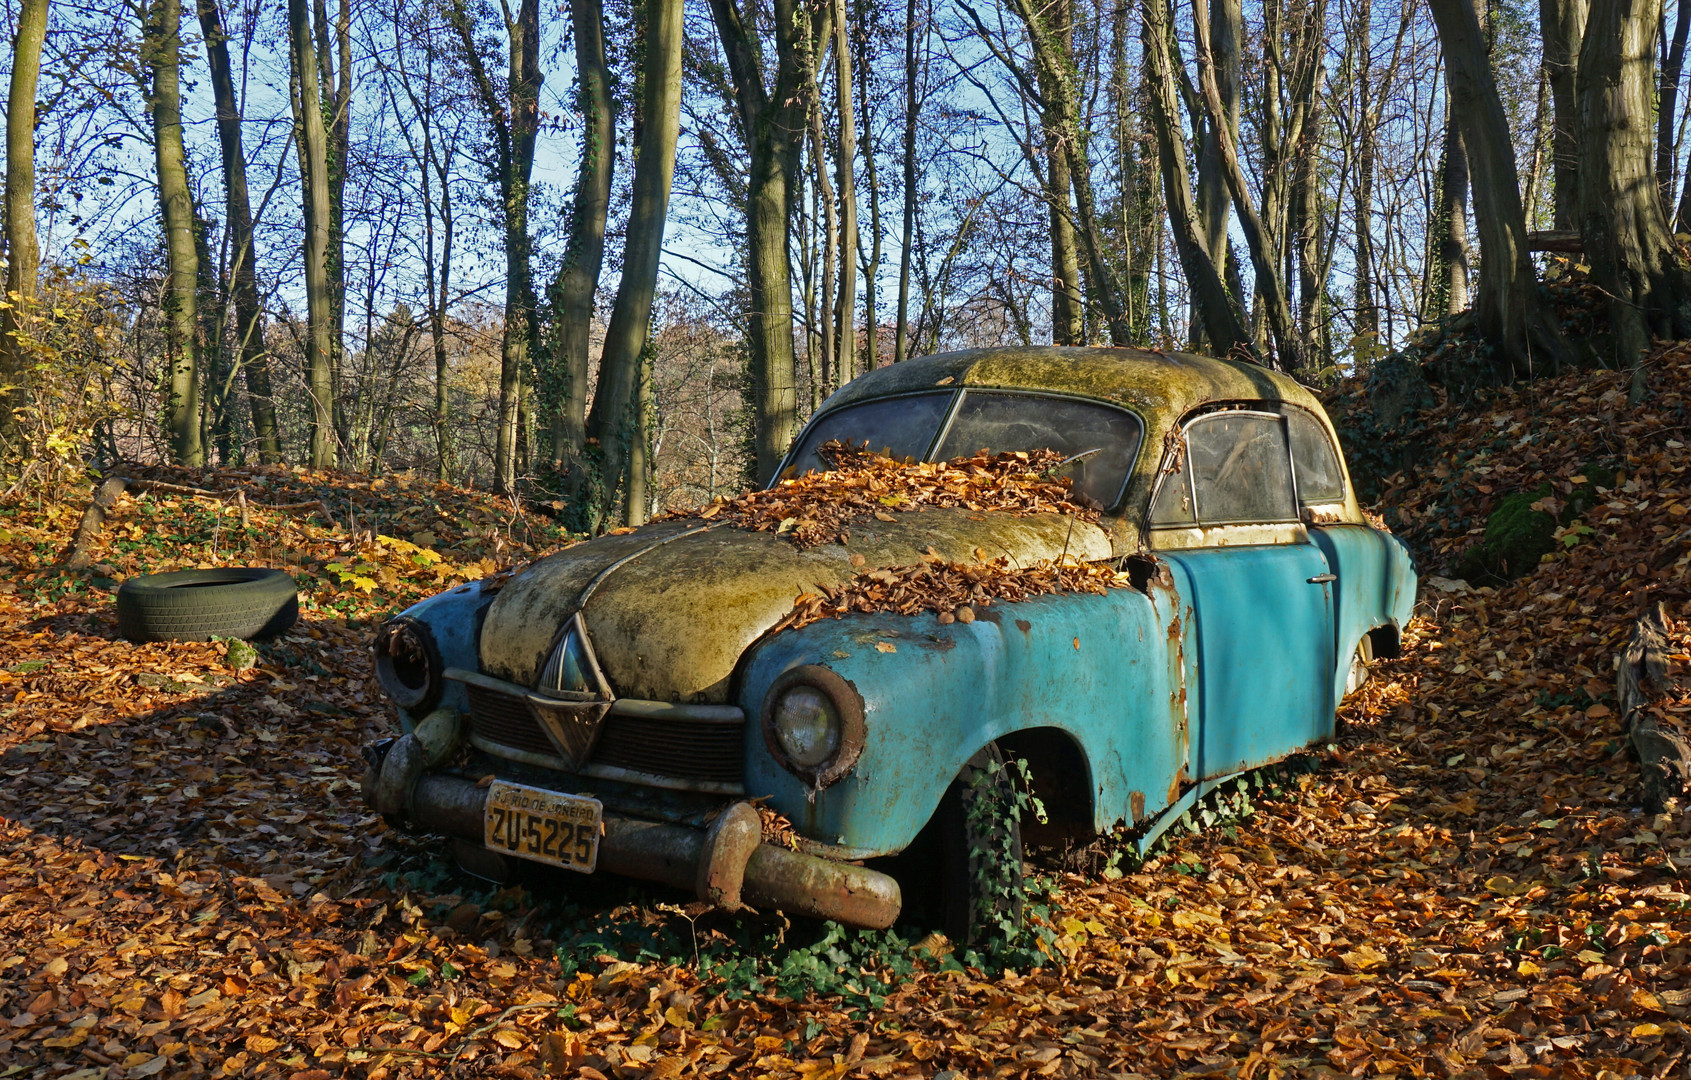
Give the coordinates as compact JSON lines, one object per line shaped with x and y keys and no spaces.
{"x":830,"y":373}
{"x":1224,"y":332}
{"x":773,"y":123}
{"x":312,"y":144}
{"x":613,"y":419}
{"x":1667,"y":108}
{"x":845,"y":158}
{"x":1632,"y":253}
{"x":1535,"y":171}
{"x":249,"y":313}
{"x":182,"y":406}
{"x":1453,"y":259}
{"x":22,"y":253}
{"x":872,"y":267}
{"x":1214,"y":206}
{"x":1068,"y":305}
{"x":901,"y":328}
{"x":1261,"y":244}
{"x":1509,"y":311}
{"x":577,"y":280}
{"x":1367,"y":313}
{"x":1562,"y":23}
{"x":1048,"y":32}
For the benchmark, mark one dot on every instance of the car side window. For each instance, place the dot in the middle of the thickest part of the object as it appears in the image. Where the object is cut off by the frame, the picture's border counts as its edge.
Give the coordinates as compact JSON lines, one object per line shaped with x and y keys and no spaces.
{"x":1316,"y":463}
{"x":1228,"y":468}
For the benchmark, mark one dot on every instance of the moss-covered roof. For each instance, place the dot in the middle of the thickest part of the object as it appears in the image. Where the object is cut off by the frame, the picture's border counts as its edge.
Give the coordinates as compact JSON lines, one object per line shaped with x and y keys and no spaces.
{"x":1160,"y":386}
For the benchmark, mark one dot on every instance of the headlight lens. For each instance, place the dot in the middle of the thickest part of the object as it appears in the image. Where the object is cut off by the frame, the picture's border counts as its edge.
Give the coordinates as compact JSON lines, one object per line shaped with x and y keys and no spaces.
{"x":807,"y":726}
{"x":408,"y":664}
{"x":813,"y":724}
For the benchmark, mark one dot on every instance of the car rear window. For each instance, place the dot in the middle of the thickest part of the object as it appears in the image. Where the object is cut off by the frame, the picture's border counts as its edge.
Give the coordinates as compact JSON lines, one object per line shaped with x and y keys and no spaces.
{"x":898,"y":427}
{"x":1313,"y":458}
{"x":1103,"y":440}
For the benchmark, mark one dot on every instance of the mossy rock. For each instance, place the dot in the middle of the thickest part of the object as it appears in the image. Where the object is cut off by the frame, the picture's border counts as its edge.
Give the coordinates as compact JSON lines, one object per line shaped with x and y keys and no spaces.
{"x":1517,"y":537}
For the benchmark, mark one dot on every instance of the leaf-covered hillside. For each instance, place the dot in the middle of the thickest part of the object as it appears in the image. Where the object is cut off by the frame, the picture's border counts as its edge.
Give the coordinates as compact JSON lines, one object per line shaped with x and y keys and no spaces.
{"x":1463,"y":885}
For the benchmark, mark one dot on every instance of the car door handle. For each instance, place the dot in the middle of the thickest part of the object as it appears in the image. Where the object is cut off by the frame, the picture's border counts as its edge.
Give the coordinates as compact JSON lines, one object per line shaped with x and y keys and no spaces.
{"x":1322,"y":579}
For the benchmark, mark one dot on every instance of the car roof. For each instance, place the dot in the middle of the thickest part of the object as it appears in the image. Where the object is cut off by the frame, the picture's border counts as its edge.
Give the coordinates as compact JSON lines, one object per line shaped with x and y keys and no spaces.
{"x":1161,"y":387}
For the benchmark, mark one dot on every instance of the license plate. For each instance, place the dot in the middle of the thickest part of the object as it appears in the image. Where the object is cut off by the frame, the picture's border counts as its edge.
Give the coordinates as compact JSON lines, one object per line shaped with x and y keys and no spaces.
{"x":543,"y":826}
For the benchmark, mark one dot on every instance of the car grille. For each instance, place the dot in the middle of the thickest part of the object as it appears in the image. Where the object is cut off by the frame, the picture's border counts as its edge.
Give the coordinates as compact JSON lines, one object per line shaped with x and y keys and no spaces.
{"x":507,"y":720}
{"x":682,"y":748}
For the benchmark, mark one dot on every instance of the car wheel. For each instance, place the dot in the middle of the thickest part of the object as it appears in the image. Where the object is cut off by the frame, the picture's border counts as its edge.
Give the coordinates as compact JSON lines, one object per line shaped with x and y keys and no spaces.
{"x":1360,"y":660}
{"x":981,"y":889}
{"x":197,"y":605}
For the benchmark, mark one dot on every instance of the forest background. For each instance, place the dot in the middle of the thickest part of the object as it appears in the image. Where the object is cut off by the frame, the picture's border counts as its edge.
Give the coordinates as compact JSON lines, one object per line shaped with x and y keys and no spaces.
{"x":605,"y":257}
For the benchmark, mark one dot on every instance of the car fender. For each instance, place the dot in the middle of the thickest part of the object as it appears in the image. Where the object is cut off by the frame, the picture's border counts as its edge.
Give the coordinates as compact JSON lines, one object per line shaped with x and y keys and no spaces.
{"x":1108,"y":670}
{"x":453,"y":621}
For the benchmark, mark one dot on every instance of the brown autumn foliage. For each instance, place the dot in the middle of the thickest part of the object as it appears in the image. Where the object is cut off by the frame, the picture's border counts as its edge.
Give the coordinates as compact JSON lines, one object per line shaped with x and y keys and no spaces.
{"x":821,"y":507}
{"x":1465,"y":887}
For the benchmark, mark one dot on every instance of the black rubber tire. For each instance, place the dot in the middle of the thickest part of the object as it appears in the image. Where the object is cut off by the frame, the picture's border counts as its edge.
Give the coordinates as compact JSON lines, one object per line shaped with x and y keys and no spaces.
{"x":197,"y":605}
{"x":980,"y":839}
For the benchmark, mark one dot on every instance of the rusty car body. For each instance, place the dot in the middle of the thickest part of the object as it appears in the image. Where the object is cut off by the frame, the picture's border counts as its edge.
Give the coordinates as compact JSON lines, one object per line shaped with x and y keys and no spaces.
{"x":638,"y":673}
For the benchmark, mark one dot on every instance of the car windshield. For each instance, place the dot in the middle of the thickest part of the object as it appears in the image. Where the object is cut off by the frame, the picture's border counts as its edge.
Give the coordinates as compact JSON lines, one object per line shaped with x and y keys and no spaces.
{"x":1103,"y":440}
{"x":899,"y":427}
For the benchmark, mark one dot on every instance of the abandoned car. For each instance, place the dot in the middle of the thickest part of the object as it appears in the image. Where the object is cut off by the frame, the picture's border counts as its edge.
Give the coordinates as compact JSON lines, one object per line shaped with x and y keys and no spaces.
{"x":628,"y":704}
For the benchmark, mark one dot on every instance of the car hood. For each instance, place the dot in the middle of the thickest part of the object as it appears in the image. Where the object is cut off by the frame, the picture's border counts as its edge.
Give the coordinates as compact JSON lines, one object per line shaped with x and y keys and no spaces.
{"x":674,"y":605}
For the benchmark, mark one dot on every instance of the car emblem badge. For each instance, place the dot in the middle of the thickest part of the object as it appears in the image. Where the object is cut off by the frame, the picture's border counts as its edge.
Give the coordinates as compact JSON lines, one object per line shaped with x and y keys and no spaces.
{"x":573,"y":726}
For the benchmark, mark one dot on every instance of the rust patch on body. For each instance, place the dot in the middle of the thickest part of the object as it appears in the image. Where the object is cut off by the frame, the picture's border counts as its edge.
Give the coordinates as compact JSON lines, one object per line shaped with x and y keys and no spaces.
{"x":937,"y":644}
{"x":1023,"y":625}
{"x":1136,"y":805}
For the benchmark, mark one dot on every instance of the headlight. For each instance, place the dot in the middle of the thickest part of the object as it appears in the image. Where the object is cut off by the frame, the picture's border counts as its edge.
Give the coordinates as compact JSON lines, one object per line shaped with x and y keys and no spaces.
{"x":408,"y":664}
{"x":813,"y":724}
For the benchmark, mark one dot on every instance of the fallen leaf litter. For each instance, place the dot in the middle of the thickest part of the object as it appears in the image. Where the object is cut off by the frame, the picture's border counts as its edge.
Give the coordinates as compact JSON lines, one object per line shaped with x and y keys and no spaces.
{"x":1464,"y":888}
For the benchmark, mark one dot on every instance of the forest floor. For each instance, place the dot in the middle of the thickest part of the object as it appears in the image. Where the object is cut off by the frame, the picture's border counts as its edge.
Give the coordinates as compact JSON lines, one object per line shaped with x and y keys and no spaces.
{"x":1463,"y":885}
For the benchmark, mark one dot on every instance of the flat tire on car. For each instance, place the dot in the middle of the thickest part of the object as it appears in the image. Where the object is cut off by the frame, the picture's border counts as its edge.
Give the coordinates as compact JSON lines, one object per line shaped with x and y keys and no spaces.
{"x":980,"y":835}
{"x":197,"y":605}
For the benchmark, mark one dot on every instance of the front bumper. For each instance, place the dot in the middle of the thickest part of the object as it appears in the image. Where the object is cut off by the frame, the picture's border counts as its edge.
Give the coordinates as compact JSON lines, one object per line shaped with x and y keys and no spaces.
{"x":725,"y":864}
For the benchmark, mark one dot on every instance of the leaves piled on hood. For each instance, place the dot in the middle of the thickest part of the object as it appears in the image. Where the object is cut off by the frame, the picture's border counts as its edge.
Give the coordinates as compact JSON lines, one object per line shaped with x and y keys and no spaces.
{"x":952,"y":590}
{"x":819,"y":508}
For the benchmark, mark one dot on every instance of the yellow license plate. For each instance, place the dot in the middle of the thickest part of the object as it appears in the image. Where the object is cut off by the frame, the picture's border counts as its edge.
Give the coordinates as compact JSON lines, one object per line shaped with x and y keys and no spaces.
{"x":543,"y":826}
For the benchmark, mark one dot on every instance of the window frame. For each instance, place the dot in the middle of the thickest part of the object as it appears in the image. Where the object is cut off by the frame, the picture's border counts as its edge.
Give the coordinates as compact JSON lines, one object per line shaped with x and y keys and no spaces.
{"x":1260,"y":409}
{"x":1287,"y":407}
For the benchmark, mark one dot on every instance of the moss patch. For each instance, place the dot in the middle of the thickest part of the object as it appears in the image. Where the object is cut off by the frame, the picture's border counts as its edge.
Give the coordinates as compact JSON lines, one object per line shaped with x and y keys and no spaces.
{"x":1517,"y":537}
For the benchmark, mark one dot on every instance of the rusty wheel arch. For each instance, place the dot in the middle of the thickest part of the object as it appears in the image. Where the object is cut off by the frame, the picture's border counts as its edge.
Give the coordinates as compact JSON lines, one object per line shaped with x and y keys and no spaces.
{"x":1062,"y":781}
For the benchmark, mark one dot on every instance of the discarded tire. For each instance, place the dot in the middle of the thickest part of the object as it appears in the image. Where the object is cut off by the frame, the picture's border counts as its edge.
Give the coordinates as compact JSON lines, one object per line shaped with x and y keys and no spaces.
{"x":196,"y":605}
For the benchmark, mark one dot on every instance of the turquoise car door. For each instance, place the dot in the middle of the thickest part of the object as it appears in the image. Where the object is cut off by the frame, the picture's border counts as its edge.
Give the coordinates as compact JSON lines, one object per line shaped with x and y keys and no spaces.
{"x":1258,"y":593}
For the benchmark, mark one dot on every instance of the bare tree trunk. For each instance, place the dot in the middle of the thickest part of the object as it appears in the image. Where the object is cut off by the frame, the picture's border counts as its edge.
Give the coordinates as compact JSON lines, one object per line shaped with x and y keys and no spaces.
{"x":1632,"y":253}
{"x":1214,"y":206}
{"x":1453,"y":254}
{"x":1673,"y":65}
{"x":614,"y":420}
{"x":901,"y":328}
{"x":773,"y":123}
{"x":577,"y":280}
{"x":1562,"y":23}
{"x":182,"y":406}
{"x":22,"y":254}
{"x":872,"y":266}
{"x":312,"y":145}
{"x":243,"y":277}
{"x":1068,"y":305}
{"x":1509,"y":311}
{"x":1224,"y":331}
{"x":845,"y":156}
{"x":830,"y":372}
{"x":1259,"y":242}
{"x":514,"y":116}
